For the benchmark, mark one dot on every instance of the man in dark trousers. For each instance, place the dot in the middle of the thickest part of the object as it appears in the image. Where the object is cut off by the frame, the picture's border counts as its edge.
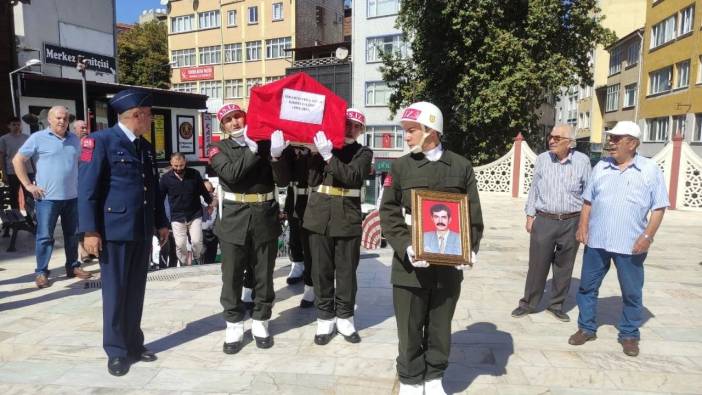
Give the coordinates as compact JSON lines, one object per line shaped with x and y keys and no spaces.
{"x":119,"y":208}
{"x":425,"y":295}
{"x":248,"y":225}
{"x":334,"y":224}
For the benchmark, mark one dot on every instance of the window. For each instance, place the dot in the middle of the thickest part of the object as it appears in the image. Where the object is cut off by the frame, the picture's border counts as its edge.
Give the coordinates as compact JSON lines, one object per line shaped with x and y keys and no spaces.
{"x":376,"y":46}
{"x":277,"y":11}
{"x":233,"y":89}
{"x":682,"y":79}
{"x":213,"y":89}
{"x":210,"y":55}
{"x":209,"y":19}
{"x":384,"y":137}
{"x":615,"y":61}
{"x":697,"y":135}
{"x":382,"y":7}
{"x":232,"y":53}
{"x":231,"y":18}
{"x":687,"y":18}
{"x":253,"y":15}
{"x":657,"y":129}
{"x":629,"y":96}
{"x":183,"y":57}
{"x":253,"y":51}
{"x":612,"y":98}
{"x":273,"y":78}
{"x":183,"y":23}
{"x":660,"y":80}
{"x":663,"y":32}
{"x":377,"y":93}
{"x":250,"y":83}
{"x":679,"y":125}
{"x":275,"y":48}
{"x":187,"y":87}
{"x":632,"y":56}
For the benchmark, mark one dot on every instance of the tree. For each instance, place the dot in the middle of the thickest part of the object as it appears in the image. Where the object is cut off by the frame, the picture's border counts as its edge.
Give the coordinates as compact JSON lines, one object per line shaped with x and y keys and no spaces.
{"x":142,"y":53}
{"x":488,"y":64}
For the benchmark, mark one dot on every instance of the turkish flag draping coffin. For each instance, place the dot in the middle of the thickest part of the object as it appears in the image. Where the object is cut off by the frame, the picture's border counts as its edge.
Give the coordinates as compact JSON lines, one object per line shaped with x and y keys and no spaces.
{"x":300,"y":107}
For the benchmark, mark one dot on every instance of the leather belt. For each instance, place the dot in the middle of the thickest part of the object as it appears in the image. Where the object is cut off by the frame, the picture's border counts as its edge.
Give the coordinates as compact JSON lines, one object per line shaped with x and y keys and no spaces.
{"x":558,"y":217}
{"x":248,"y":197}
{"x":301,"y":191}
{"x":336,"y":191}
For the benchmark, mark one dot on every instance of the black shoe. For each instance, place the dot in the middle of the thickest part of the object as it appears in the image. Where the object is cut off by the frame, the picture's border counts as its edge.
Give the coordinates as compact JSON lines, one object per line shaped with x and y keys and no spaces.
{"x":560,"y":315}
{"x":118,"y":366}
{"x":352,"y":338}
{"x":293,"y":280}
{"x":306,"y":303}
{"x":520,"y":312}
{"x":323,"y":340}
{"x":143,"y":356}
{"x":231,"y":348}
{"x":264,"y":342}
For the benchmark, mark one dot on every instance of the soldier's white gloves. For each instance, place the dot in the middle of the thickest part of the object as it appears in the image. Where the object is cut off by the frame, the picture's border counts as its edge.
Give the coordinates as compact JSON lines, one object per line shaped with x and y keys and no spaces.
{"x":253,"y":146}
{"x":278,"y":144}
{"x":324,"y":146}
{"x":410,"y":256}
{"x":473,"y":261}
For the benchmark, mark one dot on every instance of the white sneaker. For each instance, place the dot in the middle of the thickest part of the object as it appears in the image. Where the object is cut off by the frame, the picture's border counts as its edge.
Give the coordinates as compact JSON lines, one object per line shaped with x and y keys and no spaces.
{"x":434,"y":387}
{"x":246,"y":295}
{"x":234,"y":332}
{"x":297,"y":269}
{"x":411,"y":389}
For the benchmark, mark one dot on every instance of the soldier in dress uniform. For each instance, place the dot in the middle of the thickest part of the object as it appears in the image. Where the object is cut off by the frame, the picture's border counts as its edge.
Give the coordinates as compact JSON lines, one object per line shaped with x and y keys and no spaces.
{"x":424,"y":295}
{"x":248,"y":225}
{"x":335,"y":178}
{"x":120,"y":207}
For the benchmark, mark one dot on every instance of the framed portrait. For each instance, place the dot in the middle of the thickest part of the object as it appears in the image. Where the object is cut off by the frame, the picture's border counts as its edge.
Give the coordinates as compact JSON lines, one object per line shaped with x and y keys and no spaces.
{"x":441,"y":227}
{"x":186,"y":134}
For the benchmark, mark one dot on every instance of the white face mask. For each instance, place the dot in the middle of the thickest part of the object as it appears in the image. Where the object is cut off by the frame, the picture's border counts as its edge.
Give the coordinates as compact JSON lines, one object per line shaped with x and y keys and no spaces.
{"x":418,"y":148}
{"x":349,"y":140}
{"x":237,"y":133}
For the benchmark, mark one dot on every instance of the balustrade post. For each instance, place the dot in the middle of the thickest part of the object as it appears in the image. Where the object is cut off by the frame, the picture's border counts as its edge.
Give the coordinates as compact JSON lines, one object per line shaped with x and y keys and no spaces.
{"x":675,"y":170}
{"x":517,"y":164}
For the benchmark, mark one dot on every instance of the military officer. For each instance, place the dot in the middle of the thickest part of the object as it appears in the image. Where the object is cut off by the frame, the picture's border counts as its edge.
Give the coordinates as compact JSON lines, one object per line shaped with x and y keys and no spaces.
{"x":335,"y":178}
{"x":296,"y":159}
{"x":120,"y":207}
{"x":424,"y":295}
{"x":248,"y":225}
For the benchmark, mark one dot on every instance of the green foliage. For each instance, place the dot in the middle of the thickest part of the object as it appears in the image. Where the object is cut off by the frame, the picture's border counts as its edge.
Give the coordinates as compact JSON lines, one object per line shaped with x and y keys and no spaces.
{"x":142,"y":53}
{"x":489,"y":64}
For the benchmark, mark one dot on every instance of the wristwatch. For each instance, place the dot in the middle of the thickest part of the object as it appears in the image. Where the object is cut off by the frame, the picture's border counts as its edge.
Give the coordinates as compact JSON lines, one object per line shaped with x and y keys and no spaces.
{"x":647,"y":237}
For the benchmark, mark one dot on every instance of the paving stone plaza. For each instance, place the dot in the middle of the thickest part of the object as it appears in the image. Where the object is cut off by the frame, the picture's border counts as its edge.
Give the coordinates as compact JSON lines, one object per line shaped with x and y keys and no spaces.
{"x":50,"y":339}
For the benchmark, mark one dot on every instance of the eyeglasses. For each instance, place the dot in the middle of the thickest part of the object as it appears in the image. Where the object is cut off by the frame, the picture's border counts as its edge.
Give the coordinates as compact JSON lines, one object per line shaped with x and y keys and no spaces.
{"x":615,"y":138}
{"x":557,"y":139}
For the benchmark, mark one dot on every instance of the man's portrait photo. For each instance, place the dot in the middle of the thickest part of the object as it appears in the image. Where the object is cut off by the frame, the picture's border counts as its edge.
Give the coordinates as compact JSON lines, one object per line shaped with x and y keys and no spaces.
{"x":441,"y":239}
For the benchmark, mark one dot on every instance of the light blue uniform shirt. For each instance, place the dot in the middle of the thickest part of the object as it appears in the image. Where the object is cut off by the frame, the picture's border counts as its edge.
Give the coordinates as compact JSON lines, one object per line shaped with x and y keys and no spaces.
{"x":56,"y":161}
{"x":621,"y":202}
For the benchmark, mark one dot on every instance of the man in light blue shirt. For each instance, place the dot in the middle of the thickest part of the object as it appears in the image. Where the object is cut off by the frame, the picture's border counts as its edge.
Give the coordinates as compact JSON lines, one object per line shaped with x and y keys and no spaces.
{"x":622,"y":190}
{"x":55,"y":153}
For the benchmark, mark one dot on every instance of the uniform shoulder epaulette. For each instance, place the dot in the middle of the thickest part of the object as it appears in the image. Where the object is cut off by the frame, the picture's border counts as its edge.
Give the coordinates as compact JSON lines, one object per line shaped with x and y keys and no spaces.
{"x":87,"y":146}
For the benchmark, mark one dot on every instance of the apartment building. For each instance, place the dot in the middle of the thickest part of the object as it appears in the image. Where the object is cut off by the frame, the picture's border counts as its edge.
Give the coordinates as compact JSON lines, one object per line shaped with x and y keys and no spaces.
{"x":671,"y":88}
{"x":622,"y":91}
{"x":223,"y":48}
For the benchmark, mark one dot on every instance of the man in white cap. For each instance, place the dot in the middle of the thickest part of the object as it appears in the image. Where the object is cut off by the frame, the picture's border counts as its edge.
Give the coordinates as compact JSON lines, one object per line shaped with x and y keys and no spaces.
{"x":248,"y":226}
{"x":425,"y":295}
{"x":623,"y":190}
{"x":336,"y":177}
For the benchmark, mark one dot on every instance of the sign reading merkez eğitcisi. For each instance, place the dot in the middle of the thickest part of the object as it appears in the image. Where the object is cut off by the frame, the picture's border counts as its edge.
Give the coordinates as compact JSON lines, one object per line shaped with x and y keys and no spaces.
{"x":69,"y":57}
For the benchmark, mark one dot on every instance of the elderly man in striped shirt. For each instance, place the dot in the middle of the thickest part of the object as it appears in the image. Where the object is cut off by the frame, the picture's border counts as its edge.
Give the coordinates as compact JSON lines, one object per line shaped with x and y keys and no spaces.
{"x":553,"y":209}
{"x":623,"y":190}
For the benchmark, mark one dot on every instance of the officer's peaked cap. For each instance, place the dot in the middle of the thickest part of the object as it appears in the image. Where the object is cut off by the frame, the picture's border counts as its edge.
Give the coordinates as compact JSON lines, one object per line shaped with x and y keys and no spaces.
{"x":130,"y":98}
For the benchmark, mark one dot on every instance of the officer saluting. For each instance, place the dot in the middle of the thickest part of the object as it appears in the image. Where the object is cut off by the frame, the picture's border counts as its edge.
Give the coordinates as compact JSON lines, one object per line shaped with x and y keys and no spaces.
{"x":248,"y":225}
{"x":424,"y":296}
{"x":119,"y":208}
{"x":334,"y":223}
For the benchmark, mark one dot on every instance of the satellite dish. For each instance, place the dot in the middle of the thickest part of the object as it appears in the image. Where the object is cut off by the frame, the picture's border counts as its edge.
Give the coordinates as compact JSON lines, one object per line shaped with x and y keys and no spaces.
{"x":164,"y":2}
{"x":341,"y":53}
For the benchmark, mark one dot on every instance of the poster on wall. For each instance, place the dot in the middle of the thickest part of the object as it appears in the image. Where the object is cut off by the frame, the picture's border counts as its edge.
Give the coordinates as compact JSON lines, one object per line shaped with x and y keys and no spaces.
{"x":186,"y":134}
{"x":206,"y":133}
{"x":37,"y":118}
{"x":160,"y":136}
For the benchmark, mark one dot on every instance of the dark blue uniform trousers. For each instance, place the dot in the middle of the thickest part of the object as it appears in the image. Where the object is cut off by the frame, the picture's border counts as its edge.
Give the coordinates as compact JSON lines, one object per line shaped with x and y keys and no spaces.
{"x":123,"y":268}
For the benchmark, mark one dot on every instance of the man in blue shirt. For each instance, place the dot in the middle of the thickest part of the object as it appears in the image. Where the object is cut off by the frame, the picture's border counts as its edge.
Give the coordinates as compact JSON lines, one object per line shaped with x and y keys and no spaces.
{"x":622,"y":190}
{"x":55,"y":153}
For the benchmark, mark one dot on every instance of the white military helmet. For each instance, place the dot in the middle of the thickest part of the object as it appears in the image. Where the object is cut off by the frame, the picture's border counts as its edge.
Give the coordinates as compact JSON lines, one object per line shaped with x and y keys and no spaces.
{"x":426,"y":114}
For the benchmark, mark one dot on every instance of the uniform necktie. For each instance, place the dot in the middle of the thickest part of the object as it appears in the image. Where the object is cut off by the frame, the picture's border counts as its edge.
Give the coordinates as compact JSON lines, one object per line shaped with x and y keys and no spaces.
{"x":137,"y":145}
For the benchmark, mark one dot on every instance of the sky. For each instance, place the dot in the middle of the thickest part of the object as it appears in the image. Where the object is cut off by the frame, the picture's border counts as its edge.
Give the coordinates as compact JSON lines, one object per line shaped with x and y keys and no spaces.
{"x":128,"y":10}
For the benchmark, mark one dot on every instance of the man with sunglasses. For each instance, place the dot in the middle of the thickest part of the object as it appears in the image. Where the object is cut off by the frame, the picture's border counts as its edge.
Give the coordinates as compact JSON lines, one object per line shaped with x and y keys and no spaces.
{"x":622,"y":190}
{"x":553,"y":209}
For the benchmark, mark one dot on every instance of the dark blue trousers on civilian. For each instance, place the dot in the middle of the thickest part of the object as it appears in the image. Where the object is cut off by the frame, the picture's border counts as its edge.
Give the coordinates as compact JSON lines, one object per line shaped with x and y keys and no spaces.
{"x":123,"y":269}
{"x":630,"y":272}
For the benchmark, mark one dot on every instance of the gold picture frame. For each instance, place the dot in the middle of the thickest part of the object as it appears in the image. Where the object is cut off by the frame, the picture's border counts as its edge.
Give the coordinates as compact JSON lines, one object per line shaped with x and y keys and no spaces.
{"x":437,"y":233}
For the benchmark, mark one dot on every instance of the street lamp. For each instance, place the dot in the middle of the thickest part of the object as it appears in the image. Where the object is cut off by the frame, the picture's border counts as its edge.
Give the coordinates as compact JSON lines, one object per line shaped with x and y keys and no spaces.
{"x":30,"y":63}
{"x":81,"y":66}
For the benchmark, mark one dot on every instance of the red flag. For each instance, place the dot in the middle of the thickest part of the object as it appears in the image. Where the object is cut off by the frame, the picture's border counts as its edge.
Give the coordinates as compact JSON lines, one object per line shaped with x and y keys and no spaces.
{"x":371,"y":234}
{"x":300,"y":107}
